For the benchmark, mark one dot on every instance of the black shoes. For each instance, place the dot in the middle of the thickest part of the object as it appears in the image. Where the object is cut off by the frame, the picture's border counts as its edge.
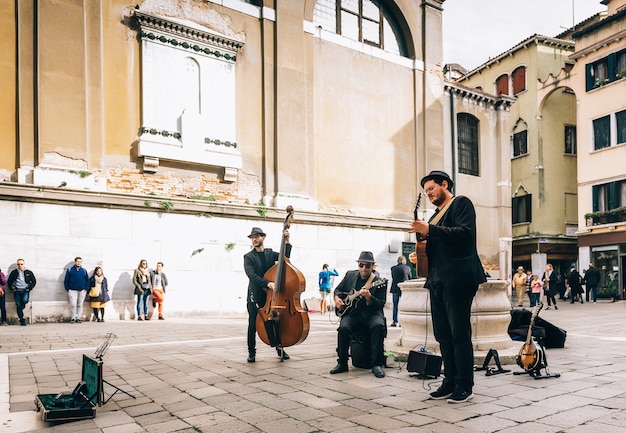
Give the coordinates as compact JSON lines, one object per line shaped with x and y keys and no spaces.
{"x":460,"y":396}
{"x":23,"y":322}
{"x":454,"y":395}
{"x":341,"y":367}
{"x":444,"y":391}
{"x":393,"y":325}
{"x":285,"y":356}
{"x":251,"y":357}
{"x":377,"y":370}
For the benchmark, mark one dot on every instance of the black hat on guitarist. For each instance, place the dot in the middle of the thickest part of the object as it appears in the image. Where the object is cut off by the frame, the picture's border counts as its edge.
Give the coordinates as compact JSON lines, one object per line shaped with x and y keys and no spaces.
{"x":366,"y":257}
{"x":438,"y":175}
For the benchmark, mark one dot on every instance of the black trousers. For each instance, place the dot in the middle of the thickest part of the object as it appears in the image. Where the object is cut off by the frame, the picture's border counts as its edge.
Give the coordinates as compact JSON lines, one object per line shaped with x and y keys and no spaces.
{"x":252,"y":313}
{"x":450,"y":308}
{"x":374,"y":325}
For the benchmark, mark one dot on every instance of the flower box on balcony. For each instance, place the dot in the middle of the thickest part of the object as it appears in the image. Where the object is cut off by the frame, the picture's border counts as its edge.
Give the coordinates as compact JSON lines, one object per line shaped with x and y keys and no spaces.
{"x":605,"y":217}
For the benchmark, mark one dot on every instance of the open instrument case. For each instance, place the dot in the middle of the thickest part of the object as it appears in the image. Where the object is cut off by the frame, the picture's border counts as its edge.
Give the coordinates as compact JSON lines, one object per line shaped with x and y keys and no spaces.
{"x":78,"y":404}
{"x":81,"y":403}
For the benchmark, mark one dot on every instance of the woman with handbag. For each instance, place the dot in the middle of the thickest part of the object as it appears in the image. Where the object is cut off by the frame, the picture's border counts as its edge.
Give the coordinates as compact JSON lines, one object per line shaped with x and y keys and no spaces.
{"x":143,"y":283}
{"x":98,"y":293}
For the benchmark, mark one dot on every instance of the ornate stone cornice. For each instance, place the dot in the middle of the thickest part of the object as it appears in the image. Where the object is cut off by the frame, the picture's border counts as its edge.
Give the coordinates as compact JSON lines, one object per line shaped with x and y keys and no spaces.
{"x":502,"y":101}
{"x":203,"y":42}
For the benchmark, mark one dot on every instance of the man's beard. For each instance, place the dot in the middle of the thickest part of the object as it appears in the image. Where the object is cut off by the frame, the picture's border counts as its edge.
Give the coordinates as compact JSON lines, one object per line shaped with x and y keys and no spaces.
{"x":438,"y":200}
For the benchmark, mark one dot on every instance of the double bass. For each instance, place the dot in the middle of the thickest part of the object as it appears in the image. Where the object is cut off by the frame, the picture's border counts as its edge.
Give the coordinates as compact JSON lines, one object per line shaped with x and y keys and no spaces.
{"x":282,"y":322}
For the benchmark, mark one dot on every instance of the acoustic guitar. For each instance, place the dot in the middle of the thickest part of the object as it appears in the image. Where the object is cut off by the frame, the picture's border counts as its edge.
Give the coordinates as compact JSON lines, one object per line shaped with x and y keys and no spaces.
{"x":530,"y":356}
{"x":421,"y":264}
{"x":352,"y":299}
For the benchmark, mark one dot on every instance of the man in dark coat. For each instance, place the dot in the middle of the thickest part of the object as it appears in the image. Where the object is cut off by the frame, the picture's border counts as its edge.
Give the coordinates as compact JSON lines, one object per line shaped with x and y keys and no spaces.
{"x":366,"y":315}
{"x":574,"y":281}
{"x":399,"y":273}
{"x":592,"y":279}
{"x":454,"y":273}
{"x":21,"y":281}
{"x":256,"y":263}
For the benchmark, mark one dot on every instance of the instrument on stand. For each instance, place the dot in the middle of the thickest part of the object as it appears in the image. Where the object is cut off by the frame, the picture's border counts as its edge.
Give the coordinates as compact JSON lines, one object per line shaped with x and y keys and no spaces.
{"x":282,"y":322}
{"x":532,"y":356}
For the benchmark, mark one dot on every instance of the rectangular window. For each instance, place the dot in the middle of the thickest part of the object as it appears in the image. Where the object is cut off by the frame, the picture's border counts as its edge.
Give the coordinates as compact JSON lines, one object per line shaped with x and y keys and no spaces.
{"x":570,"y":140}
{"x":350,"y":25}
{"x":609,"y":196}
{"x":522,"y":209}
{"x":520,"y":143}
{"x":601,"y":71}
{"x":601,"y":133}
{"x":502,"y":85}
{"x":519,"y":80}
{"x":468,"y":144}
{"x":620,"y":120}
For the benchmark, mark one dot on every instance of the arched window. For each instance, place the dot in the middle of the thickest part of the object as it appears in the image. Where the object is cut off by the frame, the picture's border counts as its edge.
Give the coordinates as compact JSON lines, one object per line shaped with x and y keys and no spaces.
{"x":467,"y":126}
{"x":519,"y":79}
{"x":367,"y":21}
{"x":502,"y":85}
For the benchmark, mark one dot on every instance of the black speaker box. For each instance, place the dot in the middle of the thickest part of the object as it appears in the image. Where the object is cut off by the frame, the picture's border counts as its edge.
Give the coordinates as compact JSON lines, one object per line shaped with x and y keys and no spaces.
{"x":360,"y":350}
{"x":424,"y":363}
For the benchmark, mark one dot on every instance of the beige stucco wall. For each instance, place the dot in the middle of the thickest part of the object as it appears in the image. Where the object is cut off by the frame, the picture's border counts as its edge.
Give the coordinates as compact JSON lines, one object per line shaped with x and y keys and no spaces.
{"x":542,"y":109}
{"x":597,"y":166}
{"x":7,"y":92}
{"x":490,"y":190}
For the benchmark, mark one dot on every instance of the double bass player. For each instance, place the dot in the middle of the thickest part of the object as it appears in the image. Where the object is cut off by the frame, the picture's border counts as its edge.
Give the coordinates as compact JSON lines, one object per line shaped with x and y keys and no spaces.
{"x":256,"y":263}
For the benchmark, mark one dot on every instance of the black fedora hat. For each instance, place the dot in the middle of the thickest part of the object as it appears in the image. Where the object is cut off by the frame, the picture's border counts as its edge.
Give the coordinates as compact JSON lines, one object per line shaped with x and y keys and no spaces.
{"x":256,"y":231}
{"x":437,"y":174}
{"x":366,"y":257}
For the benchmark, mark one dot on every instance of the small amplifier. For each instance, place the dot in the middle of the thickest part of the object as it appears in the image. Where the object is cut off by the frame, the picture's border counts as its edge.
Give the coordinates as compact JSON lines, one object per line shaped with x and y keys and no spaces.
{"x":424,"y":363}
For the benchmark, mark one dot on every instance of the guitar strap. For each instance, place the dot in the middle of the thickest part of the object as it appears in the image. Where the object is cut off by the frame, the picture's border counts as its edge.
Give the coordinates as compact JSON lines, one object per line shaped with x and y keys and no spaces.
{"x":368,"y":283}
{"x":435,"y":220}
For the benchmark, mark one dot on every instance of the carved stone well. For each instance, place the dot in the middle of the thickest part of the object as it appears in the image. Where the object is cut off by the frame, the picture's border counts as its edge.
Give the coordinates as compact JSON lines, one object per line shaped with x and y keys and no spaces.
{"x":490,"y":317}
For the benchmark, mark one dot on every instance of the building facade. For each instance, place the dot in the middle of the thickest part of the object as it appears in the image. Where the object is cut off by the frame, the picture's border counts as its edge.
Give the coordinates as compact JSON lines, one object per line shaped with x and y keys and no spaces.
{"x":166,"y":129}
{"x":600,"y":85}
{"x":541,"y":146}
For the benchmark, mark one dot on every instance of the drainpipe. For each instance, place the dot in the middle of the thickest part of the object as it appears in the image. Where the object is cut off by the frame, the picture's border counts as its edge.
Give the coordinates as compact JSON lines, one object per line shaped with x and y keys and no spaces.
{"x":452,"y":135}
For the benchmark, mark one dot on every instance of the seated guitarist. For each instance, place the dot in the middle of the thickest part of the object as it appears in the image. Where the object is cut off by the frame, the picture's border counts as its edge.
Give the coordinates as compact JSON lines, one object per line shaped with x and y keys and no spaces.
{"x":365,"y":313}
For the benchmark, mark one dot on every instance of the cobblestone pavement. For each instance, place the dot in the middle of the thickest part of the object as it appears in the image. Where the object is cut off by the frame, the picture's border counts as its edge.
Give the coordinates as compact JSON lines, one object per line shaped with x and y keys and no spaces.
{"x":191,"y":375}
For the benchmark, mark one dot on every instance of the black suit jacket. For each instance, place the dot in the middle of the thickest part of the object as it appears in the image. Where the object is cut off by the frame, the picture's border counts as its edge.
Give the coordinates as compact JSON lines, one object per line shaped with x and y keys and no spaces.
{"x":377,"y":301}
{"x":451,"y":248}
{"x":399,"y":274}
{"x":255,"y":270}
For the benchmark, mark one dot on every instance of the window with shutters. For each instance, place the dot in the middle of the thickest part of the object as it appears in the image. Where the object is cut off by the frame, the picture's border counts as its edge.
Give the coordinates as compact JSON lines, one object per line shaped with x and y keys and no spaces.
{"x":522,"y":209}
{"x":602,"y":133}
{"x":467,"y":130}
{"x":519,"y":79}
{"x":570,"y":140}
{"x":520,"y":143}
{"x":620,"y":121}
{"x":609,"y":196}
{"x":502,"y":85}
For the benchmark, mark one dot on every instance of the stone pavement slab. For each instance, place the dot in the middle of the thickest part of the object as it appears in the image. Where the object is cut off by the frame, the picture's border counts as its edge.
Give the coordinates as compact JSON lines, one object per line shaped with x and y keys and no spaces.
{"x":191,"y":375}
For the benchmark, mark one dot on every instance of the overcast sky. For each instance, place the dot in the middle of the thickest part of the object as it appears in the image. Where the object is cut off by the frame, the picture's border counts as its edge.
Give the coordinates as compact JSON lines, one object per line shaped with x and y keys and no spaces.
{"x":476,"y":30}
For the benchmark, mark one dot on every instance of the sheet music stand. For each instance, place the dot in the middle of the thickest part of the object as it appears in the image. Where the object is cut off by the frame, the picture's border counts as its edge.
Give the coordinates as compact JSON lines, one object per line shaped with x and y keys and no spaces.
{"x":100,"y":351}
